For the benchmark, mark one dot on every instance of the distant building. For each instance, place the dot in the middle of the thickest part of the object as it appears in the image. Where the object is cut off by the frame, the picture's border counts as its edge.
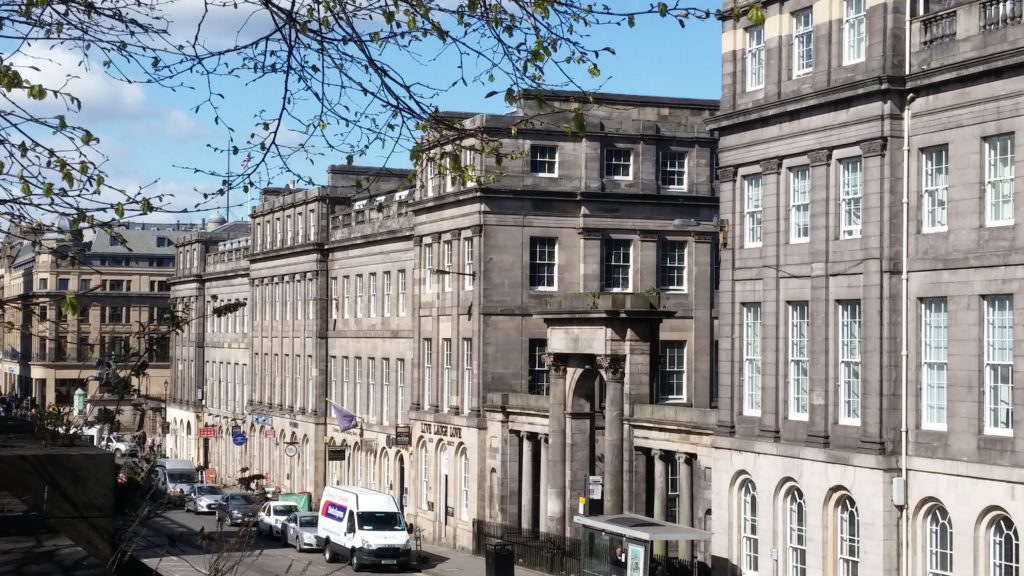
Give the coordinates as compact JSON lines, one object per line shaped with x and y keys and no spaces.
{"x":816,"y":106}
{"x":119,"y":282}
{"x":454,"y":316}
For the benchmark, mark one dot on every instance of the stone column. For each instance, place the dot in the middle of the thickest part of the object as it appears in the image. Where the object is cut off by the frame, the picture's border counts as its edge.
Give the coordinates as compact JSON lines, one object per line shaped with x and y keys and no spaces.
{"x":772,"y":341}
{"x":873,"y":333}
{"x":526,"y":486}
{"x":822,"y":228}
{"x":543,"y":441}
{"x":612,"y":367}
{"x":556,"y":490}
{"x":685,"y":466}
{"x":660,"y":497}
{"x":728,"y":354}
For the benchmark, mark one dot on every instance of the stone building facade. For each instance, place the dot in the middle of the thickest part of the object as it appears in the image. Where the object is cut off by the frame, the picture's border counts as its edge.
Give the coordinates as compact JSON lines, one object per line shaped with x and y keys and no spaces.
{"x":120,"y":281}
{"x":455,"y":311}
{"x":820,"y":128}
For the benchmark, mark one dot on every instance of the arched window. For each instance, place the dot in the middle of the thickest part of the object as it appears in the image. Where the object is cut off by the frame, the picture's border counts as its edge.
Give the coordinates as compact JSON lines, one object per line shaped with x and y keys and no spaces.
{"x":373,"y":470}
{"x":1004,"y":553}
{"x":464,"y":494}
{"x":387,"y":473}
{"x":940,"y":543}
{"x":849,"y":537}
{"x":796,"y":533}
{"x":748,"y":522}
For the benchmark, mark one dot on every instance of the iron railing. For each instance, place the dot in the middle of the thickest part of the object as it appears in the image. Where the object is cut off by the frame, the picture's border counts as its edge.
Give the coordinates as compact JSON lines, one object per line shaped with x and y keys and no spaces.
{"x":536,"y":550}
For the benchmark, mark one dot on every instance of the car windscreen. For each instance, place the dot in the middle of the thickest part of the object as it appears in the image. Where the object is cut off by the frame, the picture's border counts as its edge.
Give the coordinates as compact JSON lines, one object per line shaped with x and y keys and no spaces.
{"x":181,"y":476}
{"x":307,"y":522}
{"x":283,"y":510}
{"x":242,"y":500}
{"x":208,"y":490}
{"x":382,"y":521}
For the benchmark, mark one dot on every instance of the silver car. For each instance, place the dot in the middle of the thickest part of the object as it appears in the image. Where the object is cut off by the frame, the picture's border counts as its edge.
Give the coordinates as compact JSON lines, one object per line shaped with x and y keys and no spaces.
{"x":203,"y":498}
{"x":299,"y":530}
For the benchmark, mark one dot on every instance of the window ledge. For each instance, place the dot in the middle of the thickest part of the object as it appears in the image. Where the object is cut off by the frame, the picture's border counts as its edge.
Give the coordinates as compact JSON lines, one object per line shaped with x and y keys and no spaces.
{"x":1001,"y":432}
{"x":799,"y":417}
{"x":999,"y":224}
{"x":844,"y":422}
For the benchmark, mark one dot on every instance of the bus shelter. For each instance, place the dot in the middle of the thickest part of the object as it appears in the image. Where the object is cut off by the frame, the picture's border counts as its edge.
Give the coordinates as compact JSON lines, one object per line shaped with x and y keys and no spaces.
{"x":621,"y":544}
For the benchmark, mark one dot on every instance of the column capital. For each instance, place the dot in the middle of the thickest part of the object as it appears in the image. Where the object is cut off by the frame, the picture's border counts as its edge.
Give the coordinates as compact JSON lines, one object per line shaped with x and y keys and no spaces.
{"x":872,"y":148}
{"x":656,"y":453}
{"x":612,"y":366}
{"x":556,"y":363}
{"x":727,"y":174}
{"x":771,"y":166}
{"x":819,"y":157}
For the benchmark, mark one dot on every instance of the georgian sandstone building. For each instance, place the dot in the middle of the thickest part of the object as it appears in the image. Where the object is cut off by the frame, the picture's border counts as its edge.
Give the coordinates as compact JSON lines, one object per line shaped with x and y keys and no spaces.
{"x":822,"y":124}
{"x":457,"y":315}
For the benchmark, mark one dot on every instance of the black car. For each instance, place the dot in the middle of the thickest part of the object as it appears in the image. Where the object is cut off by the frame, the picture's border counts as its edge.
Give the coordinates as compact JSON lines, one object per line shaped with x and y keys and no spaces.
{"x":238,"y":509}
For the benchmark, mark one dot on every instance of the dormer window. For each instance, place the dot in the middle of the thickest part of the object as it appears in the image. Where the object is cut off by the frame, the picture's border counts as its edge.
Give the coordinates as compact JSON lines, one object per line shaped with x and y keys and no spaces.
{"x":162,"y":242}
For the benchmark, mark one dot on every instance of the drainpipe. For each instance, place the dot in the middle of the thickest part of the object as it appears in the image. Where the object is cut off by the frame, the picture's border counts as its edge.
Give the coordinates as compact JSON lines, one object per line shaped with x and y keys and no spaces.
{"x":905,"y":303}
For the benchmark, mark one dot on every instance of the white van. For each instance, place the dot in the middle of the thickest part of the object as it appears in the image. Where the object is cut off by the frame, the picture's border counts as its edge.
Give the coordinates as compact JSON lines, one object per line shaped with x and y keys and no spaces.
{"x":365,"y":526}
{"x":173,"y":475}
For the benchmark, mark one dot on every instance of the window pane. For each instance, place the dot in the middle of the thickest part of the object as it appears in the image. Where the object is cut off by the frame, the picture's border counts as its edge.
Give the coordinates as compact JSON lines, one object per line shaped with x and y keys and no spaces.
{"x":618,"y":255}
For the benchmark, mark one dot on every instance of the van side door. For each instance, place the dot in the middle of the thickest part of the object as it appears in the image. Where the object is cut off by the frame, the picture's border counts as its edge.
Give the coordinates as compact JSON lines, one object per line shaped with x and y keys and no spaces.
{"x":349,"y":538}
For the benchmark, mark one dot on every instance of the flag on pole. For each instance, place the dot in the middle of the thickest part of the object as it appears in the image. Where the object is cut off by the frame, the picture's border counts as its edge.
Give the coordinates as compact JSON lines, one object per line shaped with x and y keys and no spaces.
{"x":346,"y":419}
{"x":246,"y":160}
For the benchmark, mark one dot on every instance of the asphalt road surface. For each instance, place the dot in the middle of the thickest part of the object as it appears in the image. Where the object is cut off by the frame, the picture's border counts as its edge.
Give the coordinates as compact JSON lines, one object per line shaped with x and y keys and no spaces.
{"x":172,"y":542}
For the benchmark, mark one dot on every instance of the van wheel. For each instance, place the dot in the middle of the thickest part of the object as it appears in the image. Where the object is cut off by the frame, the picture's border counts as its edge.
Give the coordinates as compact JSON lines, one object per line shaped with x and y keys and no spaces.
{"x":118,"y":452}
{"x":330,"y":556}
{"x":357,"y":565}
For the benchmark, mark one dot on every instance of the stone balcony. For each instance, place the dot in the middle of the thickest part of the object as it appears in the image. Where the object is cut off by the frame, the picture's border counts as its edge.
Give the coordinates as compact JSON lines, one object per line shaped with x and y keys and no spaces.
{"x":958,"y":32}
{"x":606,"y":303}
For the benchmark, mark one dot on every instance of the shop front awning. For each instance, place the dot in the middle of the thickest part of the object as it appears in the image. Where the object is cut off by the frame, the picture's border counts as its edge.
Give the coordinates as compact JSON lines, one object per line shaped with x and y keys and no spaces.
{"x":641,"y":527}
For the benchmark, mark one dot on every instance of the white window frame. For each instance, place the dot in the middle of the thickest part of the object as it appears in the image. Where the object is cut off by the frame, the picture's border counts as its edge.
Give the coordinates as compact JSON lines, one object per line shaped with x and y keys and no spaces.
{"x":346,"y":380}
{"x":464,"y":485}
{"x":428,"y":369}
{"x":749,"y":533}
{"x":446,"y":373}
{"x":385,"y":383}
{"x":1002,"y":562}
{"x":357,"y":364}
{"x":617,"y":158}
{"x":467,"y":374}
{"x":672,"y":172}
{"x":939,"y":550}
{"x":851,"y":197}
{"x":428,"y":267}
{"x":803,"y":42}
{"x":546,"y":246}
{"x":935,"y":188}
{"x":359,"y":295}
{"x":402,"y":293}
{"x":334,"y":298}
{"x":672,"y":265}
{"x":796,"y":533}
{"x":754,"y":58}
{"x":538,"y":374}
{"x":371,"y":389}
{"x":612,"y":263}
{"x":999,"y":365}
{"x":372,"y":300}
{"x":672,"y":366}
{"x":751,"y":316}
{"x":346,"y":297}
{"x":386,"y":294}
{"x":753,"y":210}
{"x":468,"y":257}
{"x":540,"y":161}
{"x":934,"y":362}
{"x":335,"y":393}
{"x":849,"y":537}
{"x":855,"y":34}
{"x":447,"y":264}
{"x":999,"y":176}
{"x":799,"y":204}
{"x":400,"y":389}
{"x":799,"y":360}
{"x":851,"y":380}
{"x":424,"y":476}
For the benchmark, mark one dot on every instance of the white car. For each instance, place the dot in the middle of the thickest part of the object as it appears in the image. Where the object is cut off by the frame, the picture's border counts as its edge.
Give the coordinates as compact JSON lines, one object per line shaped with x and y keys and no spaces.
{"x":271,"y":517}
{"x":120,"y":445}
{"x":204,"y":498}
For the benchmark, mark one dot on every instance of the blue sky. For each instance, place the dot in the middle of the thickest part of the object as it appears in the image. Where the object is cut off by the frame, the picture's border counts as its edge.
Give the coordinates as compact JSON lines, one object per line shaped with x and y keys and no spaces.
{"x":151,"y":133}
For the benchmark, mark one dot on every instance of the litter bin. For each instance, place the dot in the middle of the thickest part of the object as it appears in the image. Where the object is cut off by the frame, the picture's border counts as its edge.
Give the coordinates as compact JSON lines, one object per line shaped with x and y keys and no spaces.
{"x":500,"y":560}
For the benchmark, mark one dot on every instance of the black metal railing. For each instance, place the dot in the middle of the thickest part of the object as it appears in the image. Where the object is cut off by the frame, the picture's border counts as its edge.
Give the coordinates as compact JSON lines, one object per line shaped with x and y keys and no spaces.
{"x":680,"y":567}
{"x":536,"y":550}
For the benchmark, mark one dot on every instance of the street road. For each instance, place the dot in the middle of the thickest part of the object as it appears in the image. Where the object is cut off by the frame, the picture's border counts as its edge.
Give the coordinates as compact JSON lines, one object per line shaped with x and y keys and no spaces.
{"x":171,"y":542}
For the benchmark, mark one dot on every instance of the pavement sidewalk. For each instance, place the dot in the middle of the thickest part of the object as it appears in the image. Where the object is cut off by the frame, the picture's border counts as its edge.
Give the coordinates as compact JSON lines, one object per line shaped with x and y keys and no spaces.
{"x":445,"y":562}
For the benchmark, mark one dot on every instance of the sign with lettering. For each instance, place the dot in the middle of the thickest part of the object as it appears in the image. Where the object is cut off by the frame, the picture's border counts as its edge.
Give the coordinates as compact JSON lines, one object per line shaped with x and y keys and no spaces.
{"x":442,"y":430}
{"x":270,"y":433}
{"x":208,"y":432}
{"x":335,"y":454}
{"x":403,"y":435}
{"x":258,"y":418}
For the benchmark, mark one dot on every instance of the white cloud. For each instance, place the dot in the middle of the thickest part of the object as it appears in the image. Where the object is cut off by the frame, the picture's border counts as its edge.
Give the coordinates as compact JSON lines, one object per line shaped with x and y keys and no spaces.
{"x":180,"y":125}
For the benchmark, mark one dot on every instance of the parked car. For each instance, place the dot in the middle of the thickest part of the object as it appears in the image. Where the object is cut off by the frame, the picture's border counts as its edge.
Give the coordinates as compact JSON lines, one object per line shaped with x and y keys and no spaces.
{"x":238,"y":508}
{"x":174,"y":476}
{"x":272,"y":515}
{"x":299,"y":530}
{"x":203,"y":498}
{"x":120,"y":445}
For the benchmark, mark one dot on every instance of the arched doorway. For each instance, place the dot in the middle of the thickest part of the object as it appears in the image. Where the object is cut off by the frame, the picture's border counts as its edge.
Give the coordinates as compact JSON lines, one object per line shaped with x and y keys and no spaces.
{"x":304,"y":461}
{"x":401,"y":482}
{"x":443,"y":487}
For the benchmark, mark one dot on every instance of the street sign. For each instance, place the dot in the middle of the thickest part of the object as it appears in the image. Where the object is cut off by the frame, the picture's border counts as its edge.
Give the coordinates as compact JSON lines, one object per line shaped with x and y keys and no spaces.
{"x":335,"y":454}
{"x":270,"y":433}
{"x":238,"y":438}
{"x":595,"y":487}
{"x":403,"y":436}
{"x":291,"y":450}
{"x":208,"y":432}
